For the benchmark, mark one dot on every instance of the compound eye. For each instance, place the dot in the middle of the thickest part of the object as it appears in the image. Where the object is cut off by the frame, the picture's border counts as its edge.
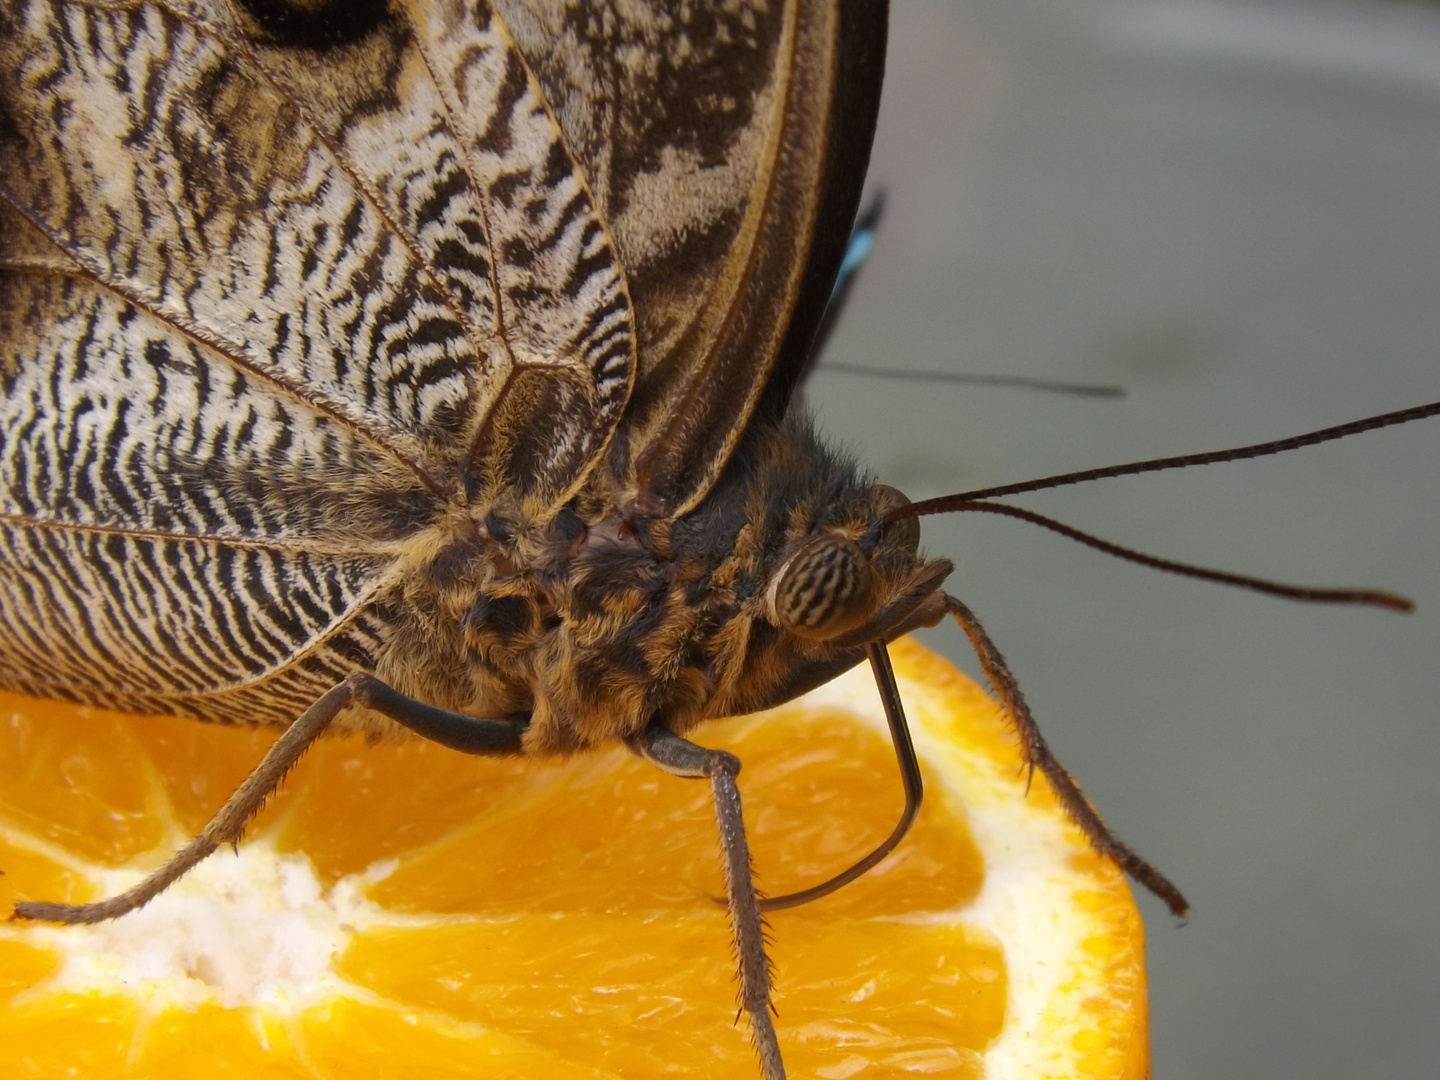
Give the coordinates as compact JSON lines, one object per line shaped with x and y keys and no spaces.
{"x":825,"y":589}
{"x":905,"y":533}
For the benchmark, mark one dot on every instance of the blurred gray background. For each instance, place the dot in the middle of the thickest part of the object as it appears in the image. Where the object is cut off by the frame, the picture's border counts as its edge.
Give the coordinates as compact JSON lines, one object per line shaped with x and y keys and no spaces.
{"x":1233,"y":209}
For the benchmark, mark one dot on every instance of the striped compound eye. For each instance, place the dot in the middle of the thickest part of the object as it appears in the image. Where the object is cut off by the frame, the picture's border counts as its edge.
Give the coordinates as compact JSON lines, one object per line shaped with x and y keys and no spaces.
{"x":824,"y":590}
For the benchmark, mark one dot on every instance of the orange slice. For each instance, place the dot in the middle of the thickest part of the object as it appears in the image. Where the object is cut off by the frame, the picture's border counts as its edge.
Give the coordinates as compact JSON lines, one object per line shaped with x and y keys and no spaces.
{"x":401,"y":910}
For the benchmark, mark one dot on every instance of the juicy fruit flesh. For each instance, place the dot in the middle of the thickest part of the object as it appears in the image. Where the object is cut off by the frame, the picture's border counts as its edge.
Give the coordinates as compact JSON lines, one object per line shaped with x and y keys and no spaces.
{"x":401,"y":909}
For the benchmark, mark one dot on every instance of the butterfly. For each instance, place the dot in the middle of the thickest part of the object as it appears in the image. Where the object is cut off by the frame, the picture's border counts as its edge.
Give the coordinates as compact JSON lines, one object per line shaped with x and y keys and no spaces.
{"x":431,"y":365}
{"x":428,"y":364}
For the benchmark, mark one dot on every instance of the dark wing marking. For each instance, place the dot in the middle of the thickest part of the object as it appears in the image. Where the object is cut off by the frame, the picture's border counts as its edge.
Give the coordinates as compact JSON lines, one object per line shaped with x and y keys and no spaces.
{"x":270,"y":299}
{"x":726,"y":145}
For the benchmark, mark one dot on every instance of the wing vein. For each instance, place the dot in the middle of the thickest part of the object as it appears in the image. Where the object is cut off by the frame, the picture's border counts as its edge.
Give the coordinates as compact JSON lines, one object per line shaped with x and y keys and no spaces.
{"x":699,"y":383}
{"x":292,"y":659}
{"x":377,"y":202}
{"x":232,"y":352}
{"x":482,"y":202}
{"x":339,"y":549}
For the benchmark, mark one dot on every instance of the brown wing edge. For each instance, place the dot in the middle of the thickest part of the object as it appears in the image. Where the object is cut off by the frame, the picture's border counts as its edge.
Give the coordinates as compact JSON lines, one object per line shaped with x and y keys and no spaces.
{"x":679,"y":466}
{"x":856,"y":108}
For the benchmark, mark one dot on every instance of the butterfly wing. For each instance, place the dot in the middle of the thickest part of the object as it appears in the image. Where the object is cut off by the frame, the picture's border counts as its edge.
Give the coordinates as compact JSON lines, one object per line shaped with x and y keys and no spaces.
{"x":726,"y":146}
{"x":277,"y":287}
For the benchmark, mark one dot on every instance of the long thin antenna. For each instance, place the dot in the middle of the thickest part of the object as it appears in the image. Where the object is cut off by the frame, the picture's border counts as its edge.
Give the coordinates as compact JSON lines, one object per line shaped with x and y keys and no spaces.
{"x":1370,"y":597}
{"x":1240,"y":453}
{"x":1021,"y":382}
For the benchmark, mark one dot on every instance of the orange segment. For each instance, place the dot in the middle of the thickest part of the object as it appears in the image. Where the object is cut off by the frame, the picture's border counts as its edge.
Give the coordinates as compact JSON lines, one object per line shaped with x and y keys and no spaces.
{"x":40,"y":1034}
{"x":347,"y":1040}
{"x":59,"y":785}
{"x":23,"y":967}
{"x":404,"y":910}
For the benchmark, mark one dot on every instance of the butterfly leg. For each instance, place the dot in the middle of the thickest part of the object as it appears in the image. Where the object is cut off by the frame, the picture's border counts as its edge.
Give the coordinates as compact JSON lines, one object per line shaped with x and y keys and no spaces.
{"x":680,"y":757}
{"x":1038,"y":755}
{"x":468,"y":734}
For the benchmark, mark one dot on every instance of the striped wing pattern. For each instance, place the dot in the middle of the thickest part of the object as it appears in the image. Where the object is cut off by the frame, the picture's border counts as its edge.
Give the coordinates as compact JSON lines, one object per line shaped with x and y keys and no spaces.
{"x":265,"y":315}
{"x":168,"y":575}
{"x":723,"y":141}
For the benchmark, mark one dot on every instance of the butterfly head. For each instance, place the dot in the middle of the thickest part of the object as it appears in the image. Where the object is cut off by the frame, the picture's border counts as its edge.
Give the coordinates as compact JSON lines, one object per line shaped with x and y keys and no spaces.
{"x":836,"y":580}
{"x":847,"y":581}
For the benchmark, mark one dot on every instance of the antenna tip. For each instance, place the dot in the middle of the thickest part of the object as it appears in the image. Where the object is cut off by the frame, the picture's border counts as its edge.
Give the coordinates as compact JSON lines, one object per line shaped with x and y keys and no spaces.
{"x":1393,"y":602}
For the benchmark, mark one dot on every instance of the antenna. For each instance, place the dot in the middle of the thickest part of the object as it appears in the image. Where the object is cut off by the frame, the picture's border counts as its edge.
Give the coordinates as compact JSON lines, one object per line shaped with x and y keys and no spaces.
{"x":975,"y":501}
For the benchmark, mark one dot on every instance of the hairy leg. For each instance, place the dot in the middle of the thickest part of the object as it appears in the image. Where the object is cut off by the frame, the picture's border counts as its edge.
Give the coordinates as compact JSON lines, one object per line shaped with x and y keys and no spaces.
{"x":680,"y":757}
{"x":1039,"y":756}
{"x":468,"y":734}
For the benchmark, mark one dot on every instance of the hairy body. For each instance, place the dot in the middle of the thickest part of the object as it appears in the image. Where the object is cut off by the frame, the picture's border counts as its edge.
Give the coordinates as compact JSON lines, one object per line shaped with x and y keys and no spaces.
{"x":594,"y":622}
